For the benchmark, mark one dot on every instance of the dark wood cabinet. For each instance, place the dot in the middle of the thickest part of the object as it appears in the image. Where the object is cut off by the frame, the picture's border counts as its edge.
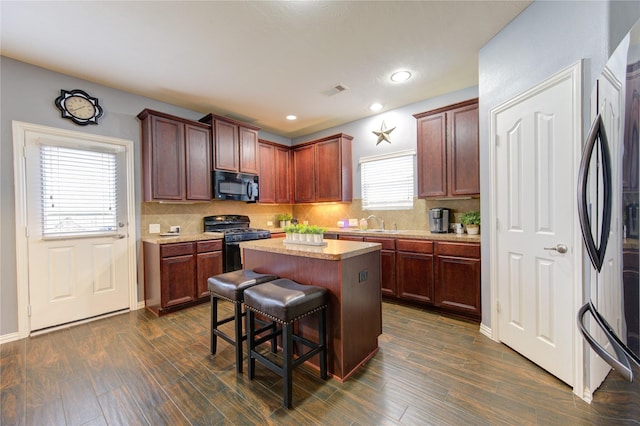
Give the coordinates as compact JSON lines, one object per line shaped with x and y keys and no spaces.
{"x":441,"y":275}
{"x":176,"y":274}
{"x":415,"y":270}
{"x":304,"y":175}
{"x":387,"y":264}
{"x":457,"y":278}
{"x":175,"y":158}
{"x":275,"y":173}
{"x":448,"y":151}
{"x":322,"y":170}
{"x":235,"y":144}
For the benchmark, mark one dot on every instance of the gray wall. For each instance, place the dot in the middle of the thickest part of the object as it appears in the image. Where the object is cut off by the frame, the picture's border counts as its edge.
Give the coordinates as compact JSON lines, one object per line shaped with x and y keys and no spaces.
{"x":27,"y":94}
{"x":545,"y":38}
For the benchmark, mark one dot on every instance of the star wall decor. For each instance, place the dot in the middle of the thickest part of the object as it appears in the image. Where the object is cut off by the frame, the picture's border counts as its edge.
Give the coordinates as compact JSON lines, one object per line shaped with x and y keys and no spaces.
{"x":383,"y":133}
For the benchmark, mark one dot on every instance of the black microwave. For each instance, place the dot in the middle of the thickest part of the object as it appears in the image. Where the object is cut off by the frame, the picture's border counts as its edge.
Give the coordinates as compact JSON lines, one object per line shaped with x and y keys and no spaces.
{"x":235,"y":186}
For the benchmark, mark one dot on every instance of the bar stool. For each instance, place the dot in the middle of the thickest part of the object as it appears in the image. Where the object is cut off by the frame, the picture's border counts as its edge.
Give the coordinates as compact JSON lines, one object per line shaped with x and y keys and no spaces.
{"x":284,"y":301}
{"x":230,"y":286}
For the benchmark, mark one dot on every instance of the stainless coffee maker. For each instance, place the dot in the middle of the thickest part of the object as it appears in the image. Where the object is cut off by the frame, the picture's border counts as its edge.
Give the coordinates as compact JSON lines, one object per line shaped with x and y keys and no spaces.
{"x":439,"y":220}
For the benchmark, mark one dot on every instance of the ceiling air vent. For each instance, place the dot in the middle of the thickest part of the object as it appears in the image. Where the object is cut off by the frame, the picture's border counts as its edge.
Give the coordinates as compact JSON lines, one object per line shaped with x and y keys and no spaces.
{"x":338,"y":88}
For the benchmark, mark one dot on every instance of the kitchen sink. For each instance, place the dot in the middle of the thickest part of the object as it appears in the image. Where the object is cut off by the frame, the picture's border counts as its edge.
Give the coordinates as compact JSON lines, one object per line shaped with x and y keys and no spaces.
{"x":378,"y":231}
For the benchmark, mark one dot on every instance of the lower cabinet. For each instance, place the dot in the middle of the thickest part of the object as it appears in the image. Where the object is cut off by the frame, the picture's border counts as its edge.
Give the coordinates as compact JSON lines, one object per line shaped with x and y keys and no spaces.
{"x":415,"y":270}
{"x":457,"y":278}
{"x":438,"y":274}
{"x":176,"y":274}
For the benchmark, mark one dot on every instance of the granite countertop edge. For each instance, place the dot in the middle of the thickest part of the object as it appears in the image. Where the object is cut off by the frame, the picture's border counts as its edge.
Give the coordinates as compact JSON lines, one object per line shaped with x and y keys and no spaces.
{"x":182,"y":238}
{"x":405,"y":233}
{"x":333,"y":250}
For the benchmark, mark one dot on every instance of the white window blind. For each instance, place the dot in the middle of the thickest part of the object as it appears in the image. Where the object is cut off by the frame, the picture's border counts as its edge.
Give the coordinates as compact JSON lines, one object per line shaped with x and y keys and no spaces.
{"x":79,"y":194}
{"x":387,"y":181}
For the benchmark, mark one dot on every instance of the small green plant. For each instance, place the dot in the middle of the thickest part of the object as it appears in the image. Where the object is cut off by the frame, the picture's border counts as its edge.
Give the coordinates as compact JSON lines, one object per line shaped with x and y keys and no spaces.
{"x":315,"y":229}
{"x":470,"y":218}
{"x":290,"y":229}
{"x":284,"y":216}
{"x":304,"y":229}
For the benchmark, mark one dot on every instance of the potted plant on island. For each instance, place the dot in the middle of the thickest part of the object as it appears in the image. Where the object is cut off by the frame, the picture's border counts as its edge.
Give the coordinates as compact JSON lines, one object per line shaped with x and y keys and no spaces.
{"x":284,"y":219}
{"x":471,"y":221}
{"x":317,"y":232}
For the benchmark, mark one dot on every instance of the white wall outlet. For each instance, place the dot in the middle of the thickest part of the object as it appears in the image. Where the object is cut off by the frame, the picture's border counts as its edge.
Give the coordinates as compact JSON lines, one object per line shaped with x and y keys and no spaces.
{"x":269,"y":223}
{"x":353,"y":222}
{"x":306,"y":222}
{"x":154,"y":228}
{"x":175,"y":229}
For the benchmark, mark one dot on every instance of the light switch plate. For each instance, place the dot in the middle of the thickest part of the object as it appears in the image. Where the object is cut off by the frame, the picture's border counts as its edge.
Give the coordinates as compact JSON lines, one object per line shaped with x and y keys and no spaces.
{"x":353,"y":222}
{"x":154,"y":228}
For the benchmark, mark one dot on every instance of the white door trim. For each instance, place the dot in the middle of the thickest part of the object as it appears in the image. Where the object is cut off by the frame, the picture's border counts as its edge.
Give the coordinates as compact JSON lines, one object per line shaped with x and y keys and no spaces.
{"x":20,"y":130}
{"x":573,"y":72}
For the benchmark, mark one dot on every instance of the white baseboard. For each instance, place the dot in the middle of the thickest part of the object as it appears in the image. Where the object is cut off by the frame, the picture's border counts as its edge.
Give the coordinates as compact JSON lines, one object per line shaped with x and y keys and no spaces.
{"x":486,"y":331}
{"x":6,"y":338}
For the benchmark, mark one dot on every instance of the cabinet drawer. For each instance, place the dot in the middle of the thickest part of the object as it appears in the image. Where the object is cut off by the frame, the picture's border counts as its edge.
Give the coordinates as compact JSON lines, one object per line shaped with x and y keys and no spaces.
{"x":387,"y":243}
{"x":417,"y":246}
{"x":458,"y":249}
{"x":178,"y":249}
{"x":205,"y":246}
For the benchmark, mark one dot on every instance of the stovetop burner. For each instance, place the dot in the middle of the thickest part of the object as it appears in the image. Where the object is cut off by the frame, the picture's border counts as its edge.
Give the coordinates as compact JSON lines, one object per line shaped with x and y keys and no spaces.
{"x":235,"y":228}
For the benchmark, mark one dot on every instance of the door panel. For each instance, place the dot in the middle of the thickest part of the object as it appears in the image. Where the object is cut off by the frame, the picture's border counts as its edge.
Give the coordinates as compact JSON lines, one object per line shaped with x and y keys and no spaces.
{"x":74,"y":277}
{"x":535,"y":202}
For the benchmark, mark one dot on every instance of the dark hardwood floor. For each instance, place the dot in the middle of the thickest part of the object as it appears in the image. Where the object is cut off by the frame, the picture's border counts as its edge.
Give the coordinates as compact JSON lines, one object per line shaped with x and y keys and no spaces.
{"x":135,"y":369}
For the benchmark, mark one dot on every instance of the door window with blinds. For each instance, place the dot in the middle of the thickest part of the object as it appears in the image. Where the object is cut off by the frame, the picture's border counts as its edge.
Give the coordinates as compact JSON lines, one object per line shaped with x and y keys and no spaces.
{"x":78,"y":191}
{"x":387,"y":181}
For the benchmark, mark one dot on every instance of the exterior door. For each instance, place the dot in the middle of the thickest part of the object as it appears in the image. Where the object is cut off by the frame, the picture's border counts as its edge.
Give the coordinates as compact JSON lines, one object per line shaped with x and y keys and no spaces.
{"x":77,"y":236}
{"x":536,"y":136}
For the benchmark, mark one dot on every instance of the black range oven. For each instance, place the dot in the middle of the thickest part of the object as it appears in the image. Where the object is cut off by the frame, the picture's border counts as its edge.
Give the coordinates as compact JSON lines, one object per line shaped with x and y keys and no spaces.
{"x":235,"y":229}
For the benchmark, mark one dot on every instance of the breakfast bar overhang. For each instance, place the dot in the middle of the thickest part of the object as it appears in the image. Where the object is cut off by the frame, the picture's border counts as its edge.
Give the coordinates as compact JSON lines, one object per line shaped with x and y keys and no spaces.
{"x":350,"y":271}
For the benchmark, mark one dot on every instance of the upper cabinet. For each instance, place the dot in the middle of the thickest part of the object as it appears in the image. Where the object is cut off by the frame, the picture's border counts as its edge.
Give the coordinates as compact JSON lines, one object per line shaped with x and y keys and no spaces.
{"x":235,"y":144}
{"x":448,"y":151}
{"x":176,"y":157}
{"x":322,"y":170}
{"x":275,"y":173}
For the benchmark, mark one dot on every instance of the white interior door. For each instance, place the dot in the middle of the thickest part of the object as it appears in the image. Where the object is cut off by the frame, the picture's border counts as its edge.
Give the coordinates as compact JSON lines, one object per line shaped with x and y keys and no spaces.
{"x":77,"y":234}
{"x":536,"y":138}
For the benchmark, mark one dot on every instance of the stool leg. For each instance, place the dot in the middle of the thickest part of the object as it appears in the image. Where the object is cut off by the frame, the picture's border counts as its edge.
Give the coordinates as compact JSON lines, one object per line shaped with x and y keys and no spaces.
{"x":322,"y":336}
{"x":214,"y":323}
{"x":274,"y":341}
{"x":287,"y":376}
{"x":251,"y":364}
{"x":238,"y":330}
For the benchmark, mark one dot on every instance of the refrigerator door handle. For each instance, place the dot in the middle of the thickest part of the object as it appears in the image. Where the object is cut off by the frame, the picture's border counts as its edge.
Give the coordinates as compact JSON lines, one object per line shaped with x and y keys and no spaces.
{"x":597,"y":135}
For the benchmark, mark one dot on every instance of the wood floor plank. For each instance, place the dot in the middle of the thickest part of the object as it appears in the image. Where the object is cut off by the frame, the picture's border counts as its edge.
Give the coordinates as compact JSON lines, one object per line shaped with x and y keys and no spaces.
{"x":136,"y":368}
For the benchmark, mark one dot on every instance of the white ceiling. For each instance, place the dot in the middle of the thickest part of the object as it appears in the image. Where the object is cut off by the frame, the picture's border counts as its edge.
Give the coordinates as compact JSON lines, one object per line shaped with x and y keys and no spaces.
{"x":260,"y":61}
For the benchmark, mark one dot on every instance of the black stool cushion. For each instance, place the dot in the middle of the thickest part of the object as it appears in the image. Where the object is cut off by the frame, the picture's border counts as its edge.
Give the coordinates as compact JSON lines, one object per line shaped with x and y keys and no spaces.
{"x":284,"y":300}
{"x":231,"y":285}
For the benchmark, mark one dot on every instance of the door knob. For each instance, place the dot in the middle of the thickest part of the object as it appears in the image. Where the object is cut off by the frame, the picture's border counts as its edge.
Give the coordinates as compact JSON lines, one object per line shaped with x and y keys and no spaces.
{"x":560,"y":248}
{"x":119,"y":236}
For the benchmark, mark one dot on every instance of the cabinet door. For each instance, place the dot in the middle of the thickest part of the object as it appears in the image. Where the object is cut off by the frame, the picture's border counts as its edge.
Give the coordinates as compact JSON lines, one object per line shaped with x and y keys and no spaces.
{"x":458,"y":284}
{"x":178,"y":276}
{"x":208,"y":265}
{"x":328,"y":171}
{"x":303,"y":174}
{"x":168,"y":159}
{"x":225,"y":143}
{"x":388,"y":278}
{"x":267,"y":173}
{"x":415,"y":276}
{"x":248,"y":150}
{"x":282,"y":157}
{"x":432,"y":156}
{"x":198,"y":163}
{"x":463,"y":151}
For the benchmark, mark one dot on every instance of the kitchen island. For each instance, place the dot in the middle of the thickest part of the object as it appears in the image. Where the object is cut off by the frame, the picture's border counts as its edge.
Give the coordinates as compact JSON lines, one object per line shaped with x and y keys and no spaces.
{"x":350,"y":271}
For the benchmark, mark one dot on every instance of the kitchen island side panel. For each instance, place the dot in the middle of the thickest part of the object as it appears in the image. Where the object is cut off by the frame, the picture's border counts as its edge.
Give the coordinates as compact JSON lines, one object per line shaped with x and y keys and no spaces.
{"x":354,"y":312}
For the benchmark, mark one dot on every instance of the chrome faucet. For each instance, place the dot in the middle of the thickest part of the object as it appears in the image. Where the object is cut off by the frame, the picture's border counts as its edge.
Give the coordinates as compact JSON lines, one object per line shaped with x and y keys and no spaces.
{"x":380,"y":221}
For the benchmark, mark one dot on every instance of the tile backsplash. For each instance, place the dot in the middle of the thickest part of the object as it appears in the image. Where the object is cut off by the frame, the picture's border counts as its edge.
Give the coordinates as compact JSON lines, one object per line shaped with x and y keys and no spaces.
{"x":190,"y":216}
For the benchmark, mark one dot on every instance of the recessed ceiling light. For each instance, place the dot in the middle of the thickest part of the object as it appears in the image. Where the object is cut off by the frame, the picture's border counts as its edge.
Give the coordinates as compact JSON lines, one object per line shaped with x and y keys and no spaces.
{"x":375,"y":107}
{"x":291,"y":117}
{"x":400,"y":76}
